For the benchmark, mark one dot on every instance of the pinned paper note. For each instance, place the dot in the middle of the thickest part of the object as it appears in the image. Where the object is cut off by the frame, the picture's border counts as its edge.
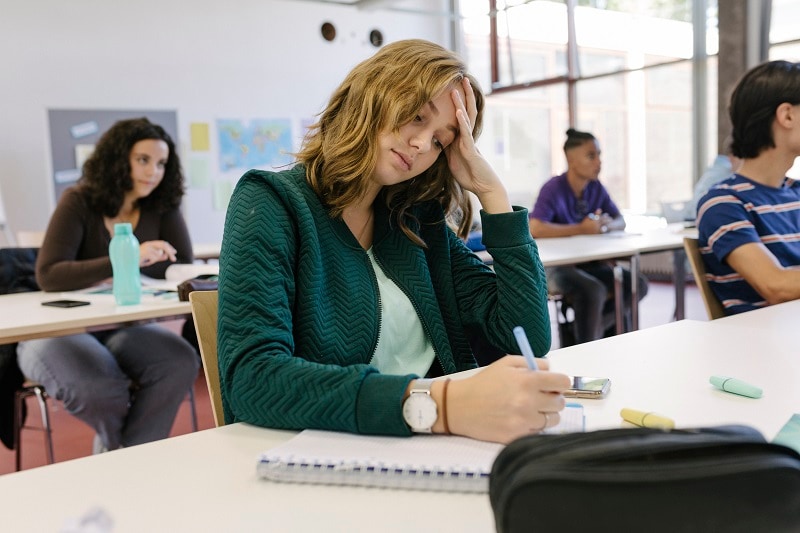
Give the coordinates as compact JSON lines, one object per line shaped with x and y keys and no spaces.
{"x":84,"y":129}
{"x":199,"y":136}
{"x":221,"y":195}
{"x":82,"y":153}
{"x":199,"y":172}
{"x":67,"y":176}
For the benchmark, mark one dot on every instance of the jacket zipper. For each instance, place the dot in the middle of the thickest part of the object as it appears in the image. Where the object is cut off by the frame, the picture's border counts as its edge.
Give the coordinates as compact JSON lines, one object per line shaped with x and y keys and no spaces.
{"x":378,"y":302}
{"x":413,"y":304}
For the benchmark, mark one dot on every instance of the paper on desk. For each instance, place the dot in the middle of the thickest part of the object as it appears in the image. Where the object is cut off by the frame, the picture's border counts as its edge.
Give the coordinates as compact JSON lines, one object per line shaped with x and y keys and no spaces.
{"x":181,"y":272}
{"x":789,"y":435}
{"x":150,"y":286}
{"x":571,"y":420}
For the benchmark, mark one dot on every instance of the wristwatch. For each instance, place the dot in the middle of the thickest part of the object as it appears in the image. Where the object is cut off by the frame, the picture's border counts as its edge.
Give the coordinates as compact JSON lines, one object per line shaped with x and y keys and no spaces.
{"x":419,"y":409}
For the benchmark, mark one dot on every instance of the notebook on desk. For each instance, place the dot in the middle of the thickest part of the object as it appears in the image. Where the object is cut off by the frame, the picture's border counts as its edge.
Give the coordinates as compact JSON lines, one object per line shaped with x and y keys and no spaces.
{"x":424,"y":462}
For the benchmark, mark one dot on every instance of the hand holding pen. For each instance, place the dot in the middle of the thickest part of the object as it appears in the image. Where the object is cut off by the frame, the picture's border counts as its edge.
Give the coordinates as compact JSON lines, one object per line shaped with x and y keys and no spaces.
{"x":550,"y":418}
{"x":506,"y":399}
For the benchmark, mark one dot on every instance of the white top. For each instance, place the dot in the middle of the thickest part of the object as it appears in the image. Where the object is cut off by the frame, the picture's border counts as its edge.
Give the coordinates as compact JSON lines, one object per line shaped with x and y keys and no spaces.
{"x":403,"y":347}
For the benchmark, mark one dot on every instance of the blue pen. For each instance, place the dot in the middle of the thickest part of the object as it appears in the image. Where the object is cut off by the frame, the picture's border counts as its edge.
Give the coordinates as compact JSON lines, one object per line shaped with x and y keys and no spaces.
{"x":525,"y":347}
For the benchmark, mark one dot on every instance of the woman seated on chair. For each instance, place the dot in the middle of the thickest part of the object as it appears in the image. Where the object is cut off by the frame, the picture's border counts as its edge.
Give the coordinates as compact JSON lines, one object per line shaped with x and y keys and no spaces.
{"x":127,"y":384}
{"x":341,"y":283}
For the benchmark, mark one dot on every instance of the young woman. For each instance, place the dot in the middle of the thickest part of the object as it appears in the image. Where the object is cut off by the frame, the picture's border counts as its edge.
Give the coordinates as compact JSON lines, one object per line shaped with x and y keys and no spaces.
{"x":342,"y":283}
{"x":126,"y":384}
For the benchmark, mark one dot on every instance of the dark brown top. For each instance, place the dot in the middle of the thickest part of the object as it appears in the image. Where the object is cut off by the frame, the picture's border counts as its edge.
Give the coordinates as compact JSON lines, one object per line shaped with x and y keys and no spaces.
{"x":74,"y":254}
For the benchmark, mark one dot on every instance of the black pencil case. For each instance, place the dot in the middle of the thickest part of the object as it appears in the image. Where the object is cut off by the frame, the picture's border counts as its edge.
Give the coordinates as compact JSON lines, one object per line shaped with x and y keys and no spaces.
{"x":725,"y":478}
{"x":203,"y":282}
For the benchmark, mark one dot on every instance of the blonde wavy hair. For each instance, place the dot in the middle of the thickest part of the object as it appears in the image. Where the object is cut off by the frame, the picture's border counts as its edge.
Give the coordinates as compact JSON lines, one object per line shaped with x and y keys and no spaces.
{"x":380,"y":94}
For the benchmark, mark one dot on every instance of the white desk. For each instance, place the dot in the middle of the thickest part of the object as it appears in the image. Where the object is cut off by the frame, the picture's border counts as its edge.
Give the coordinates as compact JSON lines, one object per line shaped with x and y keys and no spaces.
{"x":206,"y":251}
{"x":23,"y":317}
{"x":206,"y":481}
{"x":772,"y":321}
{"x":562,"y":251}
{"x":666,"y":369}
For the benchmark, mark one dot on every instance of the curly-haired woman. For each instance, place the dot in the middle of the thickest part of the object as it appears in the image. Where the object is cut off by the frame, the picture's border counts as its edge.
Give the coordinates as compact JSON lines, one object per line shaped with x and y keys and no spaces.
{"x":342,"y":283}
{"x":127,"y":384}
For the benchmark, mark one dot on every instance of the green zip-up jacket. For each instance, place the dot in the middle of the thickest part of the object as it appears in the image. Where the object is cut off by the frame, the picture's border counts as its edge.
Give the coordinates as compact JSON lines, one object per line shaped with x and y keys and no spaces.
{"x":299,"y":309}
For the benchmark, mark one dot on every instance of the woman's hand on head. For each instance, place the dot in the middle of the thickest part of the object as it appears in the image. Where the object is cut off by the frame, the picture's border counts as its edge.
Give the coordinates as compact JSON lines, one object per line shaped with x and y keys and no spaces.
{"x":468,"y":166}
{"x":506,"y":400}
{"x":152,"y":252}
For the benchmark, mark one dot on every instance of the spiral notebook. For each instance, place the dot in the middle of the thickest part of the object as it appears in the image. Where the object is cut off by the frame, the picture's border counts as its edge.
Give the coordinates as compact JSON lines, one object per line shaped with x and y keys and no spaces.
{"x":424,"y":462}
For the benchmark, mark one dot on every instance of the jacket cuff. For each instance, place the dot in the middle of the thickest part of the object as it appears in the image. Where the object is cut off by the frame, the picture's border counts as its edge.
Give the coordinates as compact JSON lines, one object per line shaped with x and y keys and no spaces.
{"x":504,"y":230}
{"x":379,"y":409}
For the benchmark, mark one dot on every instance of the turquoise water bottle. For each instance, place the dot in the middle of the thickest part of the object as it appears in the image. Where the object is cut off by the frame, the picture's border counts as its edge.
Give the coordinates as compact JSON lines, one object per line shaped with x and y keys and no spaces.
{"x":124,"y":254}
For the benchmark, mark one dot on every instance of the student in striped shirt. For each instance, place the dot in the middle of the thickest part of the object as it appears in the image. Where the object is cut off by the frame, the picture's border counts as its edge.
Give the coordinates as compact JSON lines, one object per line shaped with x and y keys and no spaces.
{"x":749,"y":224}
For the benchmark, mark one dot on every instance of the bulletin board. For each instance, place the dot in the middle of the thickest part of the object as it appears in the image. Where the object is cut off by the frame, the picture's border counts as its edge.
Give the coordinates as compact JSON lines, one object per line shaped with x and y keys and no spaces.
{"x":74,"y":132}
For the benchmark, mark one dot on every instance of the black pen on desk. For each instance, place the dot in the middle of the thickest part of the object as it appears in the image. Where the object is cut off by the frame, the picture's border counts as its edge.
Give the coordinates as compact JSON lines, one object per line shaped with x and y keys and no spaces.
{"x":525,"y":347}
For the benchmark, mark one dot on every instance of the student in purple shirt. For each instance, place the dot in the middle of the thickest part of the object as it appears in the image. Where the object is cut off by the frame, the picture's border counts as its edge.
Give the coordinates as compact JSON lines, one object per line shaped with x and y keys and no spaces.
{"x":576,"y":203}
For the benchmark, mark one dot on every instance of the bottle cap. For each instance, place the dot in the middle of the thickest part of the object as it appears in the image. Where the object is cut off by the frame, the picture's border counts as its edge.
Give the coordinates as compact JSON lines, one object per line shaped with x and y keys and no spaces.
{"x":736,"y":386}
{"x":123,"y":228}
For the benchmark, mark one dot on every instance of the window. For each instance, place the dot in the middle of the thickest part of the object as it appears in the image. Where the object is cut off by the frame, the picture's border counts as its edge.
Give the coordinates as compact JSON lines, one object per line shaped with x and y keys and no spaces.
{"x":632,"y":85}
{"x":784,"y":37}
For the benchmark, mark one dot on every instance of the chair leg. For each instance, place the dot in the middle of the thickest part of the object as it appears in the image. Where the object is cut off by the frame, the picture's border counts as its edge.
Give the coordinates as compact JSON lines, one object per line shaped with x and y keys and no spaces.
{"x":19,"y":402}
{"x":19,"y":408}
{"x":193,"y":408}
{"x":48,"y":434}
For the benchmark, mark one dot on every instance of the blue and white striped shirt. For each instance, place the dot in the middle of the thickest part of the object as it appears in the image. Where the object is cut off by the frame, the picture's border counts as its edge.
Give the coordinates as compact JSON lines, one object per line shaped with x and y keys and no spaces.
{"x":739,"y":211}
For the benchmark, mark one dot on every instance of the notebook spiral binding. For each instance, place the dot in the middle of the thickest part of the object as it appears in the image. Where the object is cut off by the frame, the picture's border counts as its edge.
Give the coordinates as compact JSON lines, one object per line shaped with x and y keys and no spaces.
{"x":381,"y":475}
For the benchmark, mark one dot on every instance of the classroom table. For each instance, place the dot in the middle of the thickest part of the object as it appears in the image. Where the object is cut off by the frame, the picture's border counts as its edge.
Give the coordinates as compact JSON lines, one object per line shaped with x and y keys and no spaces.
{"x":23,"y":317}
{"x":619,"y":246}
{"x":206,"y":251}
{"x":206,"y":481}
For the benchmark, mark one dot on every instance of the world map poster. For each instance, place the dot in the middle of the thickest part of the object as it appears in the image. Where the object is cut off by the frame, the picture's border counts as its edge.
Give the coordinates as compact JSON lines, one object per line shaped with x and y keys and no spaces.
{"x":258,"y":143}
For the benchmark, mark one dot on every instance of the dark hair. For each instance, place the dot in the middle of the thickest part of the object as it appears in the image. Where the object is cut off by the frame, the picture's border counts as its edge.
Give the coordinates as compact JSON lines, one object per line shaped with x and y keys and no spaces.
{"x":106,"y":174}
{"x":576,"y":138}
{"x":754,"y":101}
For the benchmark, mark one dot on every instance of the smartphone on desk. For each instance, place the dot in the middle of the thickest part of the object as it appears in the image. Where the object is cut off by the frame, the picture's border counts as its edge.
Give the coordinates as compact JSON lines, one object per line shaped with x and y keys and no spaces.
{"x":65,"y":303}
{"x":588,"y":387}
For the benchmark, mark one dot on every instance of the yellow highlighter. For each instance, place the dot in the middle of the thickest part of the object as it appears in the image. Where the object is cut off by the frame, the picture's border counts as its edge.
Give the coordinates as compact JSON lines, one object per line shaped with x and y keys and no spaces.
{"x":646,"y":419}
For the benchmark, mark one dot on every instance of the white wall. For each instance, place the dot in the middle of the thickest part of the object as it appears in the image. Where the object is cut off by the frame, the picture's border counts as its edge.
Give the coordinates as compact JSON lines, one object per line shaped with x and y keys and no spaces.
{"x":205,"y":59}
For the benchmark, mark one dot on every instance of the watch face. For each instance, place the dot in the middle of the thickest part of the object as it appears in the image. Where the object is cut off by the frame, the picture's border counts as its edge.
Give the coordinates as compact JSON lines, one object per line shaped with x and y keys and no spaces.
{"x":419,"y":412}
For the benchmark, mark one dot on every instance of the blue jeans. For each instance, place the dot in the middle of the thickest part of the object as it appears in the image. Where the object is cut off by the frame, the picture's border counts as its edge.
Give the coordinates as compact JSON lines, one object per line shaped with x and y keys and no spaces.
{"x":127,"y":384}
{"x":589,"y":289}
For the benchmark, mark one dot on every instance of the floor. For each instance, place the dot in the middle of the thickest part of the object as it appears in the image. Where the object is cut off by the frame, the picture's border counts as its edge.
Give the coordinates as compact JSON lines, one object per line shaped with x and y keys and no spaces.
{"x":73,"y":439}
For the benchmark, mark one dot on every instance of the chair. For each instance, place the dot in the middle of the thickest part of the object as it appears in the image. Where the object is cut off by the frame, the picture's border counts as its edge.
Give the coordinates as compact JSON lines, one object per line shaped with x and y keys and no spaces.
{"x":566,"y":324}
{"x":31,"y":389}
{"x":714,"y":307}
{"x":30,"y":239}
{"x":9,"y":236}
{"x":204,"y":313}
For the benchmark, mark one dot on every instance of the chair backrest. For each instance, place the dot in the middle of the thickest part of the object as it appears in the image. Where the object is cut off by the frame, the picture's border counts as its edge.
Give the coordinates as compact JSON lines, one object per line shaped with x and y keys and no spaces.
{"x":30,"y":239}
{"x":674,"y":211}
{"x":204,"y":313}
{"x":714,"y":307}
{"x":4,"y":224}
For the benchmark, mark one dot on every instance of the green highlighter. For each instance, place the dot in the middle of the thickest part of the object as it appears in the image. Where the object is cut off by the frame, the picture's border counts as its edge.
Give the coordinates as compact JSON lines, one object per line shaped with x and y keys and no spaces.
{"x":736,"y":386}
